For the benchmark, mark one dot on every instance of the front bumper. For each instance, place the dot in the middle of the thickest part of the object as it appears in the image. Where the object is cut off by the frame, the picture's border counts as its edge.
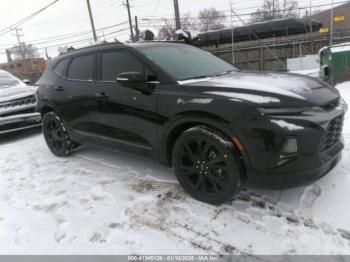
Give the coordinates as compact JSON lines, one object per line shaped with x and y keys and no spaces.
{"x":299,"y":178}
{"x":19,"y":122}
{"x":319,"y":146}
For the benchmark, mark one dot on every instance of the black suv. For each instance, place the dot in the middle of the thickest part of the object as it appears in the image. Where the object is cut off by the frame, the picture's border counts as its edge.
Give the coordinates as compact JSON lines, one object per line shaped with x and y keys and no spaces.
{"x":220,"y":128}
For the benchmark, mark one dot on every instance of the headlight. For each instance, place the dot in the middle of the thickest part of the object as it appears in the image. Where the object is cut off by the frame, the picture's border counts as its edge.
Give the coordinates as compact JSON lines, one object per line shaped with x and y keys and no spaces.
{"x":283,"y":111}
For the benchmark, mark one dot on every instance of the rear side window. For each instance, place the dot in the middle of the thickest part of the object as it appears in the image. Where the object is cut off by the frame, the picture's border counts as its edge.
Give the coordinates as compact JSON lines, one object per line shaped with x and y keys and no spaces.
{"x":61,"y":67}
{"x":81,"y":68}
{"x":114,"y":63}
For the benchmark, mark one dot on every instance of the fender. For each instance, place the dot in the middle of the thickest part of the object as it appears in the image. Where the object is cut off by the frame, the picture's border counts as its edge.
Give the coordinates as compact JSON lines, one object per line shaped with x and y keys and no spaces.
{"x":181,"y":122}
{"x":46,"y":103}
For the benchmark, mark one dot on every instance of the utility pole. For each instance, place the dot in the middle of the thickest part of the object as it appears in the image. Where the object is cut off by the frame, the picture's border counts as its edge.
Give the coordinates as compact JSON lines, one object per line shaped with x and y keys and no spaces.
{"x":47,"y":54}
{"x":177,"y":15}
{"x":310,"y":7}
{"x":232,"y":34}
{"x":310,"y":22}
{"x":332,"y":21}
{"x":137,"y":32}
{"x":130,"y":21}
{"x":91,"y":20}
{"x":20,"y":44}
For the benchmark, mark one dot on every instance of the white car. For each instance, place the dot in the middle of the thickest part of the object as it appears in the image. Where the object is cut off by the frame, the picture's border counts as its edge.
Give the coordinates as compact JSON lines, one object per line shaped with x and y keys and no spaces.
{"x":17,"y":104}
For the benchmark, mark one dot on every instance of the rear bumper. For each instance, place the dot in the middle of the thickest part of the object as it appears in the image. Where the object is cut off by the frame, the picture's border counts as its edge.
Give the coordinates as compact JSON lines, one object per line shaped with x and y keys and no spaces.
{"x":19,"y":122}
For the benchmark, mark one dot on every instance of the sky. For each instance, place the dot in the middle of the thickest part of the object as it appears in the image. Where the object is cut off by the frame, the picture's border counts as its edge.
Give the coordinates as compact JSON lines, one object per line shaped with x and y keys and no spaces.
{"x":67,"y":21}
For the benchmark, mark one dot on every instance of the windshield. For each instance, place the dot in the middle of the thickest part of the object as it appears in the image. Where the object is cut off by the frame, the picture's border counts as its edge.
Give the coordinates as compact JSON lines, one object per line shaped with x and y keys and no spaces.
{"x":7,"y":80}
{"x":187,"y":62}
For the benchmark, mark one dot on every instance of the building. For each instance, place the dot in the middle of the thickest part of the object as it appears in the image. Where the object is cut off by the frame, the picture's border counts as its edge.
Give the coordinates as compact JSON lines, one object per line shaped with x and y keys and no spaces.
{"x":31,"y":68}
{"x":341,"y":15}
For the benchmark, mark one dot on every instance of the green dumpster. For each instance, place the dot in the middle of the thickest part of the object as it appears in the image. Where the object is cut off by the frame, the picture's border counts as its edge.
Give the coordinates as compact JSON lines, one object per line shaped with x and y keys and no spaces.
{"x":335,"y":63}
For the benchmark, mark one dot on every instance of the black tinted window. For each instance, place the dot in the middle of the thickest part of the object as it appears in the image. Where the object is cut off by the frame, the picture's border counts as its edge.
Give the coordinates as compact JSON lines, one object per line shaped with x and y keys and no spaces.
{"x":61,"y":67}
{"x":115,"y":63}
{"x":81,"y":68}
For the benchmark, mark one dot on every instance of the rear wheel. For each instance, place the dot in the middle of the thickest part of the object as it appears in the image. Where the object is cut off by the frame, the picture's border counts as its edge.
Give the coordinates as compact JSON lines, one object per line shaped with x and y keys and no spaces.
{"x":56,"y":135}
{"x":206,"y":165}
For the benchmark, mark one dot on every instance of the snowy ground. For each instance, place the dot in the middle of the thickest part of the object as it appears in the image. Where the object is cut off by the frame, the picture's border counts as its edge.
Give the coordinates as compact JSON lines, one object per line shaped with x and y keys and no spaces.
{"x":99,"y":202}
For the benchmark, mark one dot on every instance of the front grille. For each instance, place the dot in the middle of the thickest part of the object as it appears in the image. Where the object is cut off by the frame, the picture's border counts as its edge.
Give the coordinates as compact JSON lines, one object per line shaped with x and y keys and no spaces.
{"x":331,"y":106}
{"x":333,"y":133}
{"x":29,"y":100}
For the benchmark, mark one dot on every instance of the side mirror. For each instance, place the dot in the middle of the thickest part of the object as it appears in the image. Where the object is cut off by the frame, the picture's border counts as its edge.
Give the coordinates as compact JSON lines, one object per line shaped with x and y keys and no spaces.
{"x":131,"y":78}
{"x":27,"y":81}
{"x":135,"y":80}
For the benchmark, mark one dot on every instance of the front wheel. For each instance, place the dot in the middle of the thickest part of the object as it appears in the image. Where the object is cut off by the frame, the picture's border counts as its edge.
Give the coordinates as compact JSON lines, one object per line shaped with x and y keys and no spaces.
{"x":206,"y":165}
{"x":56,"y":135}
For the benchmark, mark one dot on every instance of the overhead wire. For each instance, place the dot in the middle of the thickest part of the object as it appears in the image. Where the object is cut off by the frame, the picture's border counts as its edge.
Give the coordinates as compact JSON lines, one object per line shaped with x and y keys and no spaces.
{"x":27,"y":18}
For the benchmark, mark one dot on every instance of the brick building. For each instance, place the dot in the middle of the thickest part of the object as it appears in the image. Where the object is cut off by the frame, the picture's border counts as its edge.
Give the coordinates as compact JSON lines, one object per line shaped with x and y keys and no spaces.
{"x":31,"y":68}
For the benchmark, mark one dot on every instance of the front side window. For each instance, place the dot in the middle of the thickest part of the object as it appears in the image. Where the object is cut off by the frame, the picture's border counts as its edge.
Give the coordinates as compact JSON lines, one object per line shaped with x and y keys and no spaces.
{"x":81,"y":68}
{"x":114,"y":63}
{"x":186,"y":62}
{"x":7,"y":80}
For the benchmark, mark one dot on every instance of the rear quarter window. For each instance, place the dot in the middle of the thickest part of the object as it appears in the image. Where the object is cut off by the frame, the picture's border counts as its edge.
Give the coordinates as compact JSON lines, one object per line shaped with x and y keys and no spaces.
{"x":81,"y":68}
{"x":61,"y":67}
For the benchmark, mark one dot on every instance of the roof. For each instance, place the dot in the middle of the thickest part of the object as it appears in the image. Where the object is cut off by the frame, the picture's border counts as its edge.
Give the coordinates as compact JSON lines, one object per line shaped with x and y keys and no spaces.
{"x":111,"y":46}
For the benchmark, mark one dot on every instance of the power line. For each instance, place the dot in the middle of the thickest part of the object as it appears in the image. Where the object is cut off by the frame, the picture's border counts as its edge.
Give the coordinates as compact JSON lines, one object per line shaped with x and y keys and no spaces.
{"x":68,"y":18}
{"x":248,"y":14}
{"x":22,"y":21}
{"x":63,"y":37}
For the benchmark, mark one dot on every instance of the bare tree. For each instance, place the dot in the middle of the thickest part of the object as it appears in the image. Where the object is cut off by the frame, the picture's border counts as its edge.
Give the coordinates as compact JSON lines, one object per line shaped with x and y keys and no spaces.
{"x":275,"y":9}
{"x":167,"y":31}
{"x":24,"y":51}
{"x":188,"y":22}
{"x":211,"y":19}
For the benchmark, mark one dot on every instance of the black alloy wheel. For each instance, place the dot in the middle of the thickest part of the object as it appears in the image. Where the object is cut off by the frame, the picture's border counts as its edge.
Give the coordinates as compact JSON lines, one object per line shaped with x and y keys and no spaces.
{"x":56,"y":135}
{"x":206,"y":165}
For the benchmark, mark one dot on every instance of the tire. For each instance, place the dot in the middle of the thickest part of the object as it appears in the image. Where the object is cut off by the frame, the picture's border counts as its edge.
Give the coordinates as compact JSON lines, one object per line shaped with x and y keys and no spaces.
{"x":207,"y":165}
{"x":56,"y":135}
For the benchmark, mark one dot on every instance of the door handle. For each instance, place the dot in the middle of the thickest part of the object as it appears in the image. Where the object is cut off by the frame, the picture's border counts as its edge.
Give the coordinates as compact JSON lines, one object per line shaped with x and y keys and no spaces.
{"x":58,"y":88}
{"x":101,"y":95}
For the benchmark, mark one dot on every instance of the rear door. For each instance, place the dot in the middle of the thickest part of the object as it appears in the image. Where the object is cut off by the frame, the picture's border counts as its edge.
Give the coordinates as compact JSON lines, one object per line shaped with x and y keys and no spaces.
{"x":75,"y":96}
{"x":127,"y":116}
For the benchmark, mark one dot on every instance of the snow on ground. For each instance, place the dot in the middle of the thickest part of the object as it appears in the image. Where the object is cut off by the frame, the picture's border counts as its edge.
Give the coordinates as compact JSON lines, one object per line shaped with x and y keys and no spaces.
{"x":103,"y":202}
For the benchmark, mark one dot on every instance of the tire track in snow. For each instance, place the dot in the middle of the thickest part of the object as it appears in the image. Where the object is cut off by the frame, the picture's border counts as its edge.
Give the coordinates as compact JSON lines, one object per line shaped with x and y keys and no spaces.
{"x":168,"y":193}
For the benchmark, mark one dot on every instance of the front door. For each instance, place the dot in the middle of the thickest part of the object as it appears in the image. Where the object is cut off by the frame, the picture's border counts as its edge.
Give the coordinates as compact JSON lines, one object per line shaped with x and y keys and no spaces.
{"x":127,"y":116}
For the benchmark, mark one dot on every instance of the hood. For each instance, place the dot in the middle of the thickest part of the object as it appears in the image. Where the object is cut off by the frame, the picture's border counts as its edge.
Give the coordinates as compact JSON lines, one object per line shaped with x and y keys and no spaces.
{"x":16,"y":92}
{"x":265,"y":88}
